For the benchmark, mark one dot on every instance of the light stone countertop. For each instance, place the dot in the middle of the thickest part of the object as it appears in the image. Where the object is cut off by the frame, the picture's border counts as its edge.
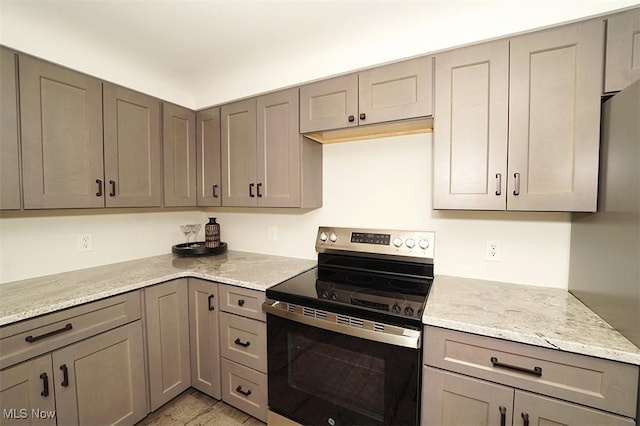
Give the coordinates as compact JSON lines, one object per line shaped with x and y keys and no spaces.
{"x":547,"y":317}
{"x":25,"y":299}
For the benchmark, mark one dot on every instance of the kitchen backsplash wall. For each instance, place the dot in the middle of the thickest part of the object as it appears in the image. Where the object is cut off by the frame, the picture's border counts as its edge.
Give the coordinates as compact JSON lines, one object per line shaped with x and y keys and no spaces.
{"x":377,"y":183}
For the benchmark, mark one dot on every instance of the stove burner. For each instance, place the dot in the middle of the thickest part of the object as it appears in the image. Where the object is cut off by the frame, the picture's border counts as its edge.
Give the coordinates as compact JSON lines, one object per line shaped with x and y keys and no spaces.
{"x":360,"y":279}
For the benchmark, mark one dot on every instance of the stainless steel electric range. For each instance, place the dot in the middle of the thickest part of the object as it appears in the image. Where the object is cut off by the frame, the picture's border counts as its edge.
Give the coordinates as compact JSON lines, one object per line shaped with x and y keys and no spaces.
{"x":344,"y":339}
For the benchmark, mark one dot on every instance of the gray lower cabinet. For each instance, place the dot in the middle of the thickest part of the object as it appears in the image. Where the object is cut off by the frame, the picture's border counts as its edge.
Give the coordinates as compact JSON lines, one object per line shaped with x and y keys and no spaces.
{"x":61,"y":128}
{"x":208,"y":184}
{"x":622,"y":62}
{"x":517,"y":122}
{"x":397,"y":91}
{"x":204,"y":337}
{"x":9,"y":134}
{"x":265,"y":161}
{"x":243,"y":349}
{"x":167,"y":322}
{"x":471,"y":379}
{"x":132,"y":148}
{"x":179,"y":155}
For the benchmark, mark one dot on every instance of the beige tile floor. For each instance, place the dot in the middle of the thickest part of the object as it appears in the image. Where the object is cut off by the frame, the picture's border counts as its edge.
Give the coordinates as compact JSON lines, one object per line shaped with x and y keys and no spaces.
{"x":193,"y":408}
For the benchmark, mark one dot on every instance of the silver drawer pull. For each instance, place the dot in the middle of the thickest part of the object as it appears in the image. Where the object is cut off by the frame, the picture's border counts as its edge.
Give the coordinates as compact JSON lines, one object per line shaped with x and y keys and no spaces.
{"x":32,"y":339}
{"x":537,"y":371}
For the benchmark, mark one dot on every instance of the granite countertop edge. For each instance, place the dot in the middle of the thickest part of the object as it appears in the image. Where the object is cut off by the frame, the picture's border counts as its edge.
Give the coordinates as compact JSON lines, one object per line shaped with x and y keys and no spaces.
{"x":548,"y":317}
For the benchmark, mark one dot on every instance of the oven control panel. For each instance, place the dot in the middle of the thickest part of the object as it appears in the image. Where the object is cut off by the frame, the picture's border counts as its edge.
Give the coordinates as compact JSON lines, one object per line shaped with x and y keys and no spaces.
{"x":414,"y":244}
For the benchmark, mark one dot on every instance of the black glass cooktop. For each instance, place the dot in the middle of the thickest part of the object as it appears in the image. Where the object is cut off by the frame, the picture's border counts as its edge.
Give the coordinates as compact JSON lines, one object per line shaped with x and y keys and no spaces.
{"x":361,"y":288}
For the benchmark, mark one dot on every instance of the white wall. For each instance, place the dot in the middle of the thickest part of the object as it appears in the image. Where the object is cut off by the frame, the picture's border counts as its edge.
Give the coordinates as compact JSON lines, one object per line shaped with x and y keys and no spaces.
{"x":378,"y":183}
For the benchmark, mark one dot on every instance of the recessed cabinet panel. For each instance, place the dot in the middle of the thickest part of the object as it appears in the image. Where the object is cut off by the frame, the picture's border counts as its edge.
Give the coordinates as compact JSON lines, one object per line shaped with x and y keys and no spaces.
{"x":131,"y":148}
{"x":278,"y":156}
{"x":470,"y":135}
{"x":9,"y":135}
{"x":61,"y":121}
{"x":179,"y":143}
{"x":208,"y":158}
{"x":329,"y":104}
{"x":239,"y":153}
{"x":554,"y":118}
{"x":623,"y":50}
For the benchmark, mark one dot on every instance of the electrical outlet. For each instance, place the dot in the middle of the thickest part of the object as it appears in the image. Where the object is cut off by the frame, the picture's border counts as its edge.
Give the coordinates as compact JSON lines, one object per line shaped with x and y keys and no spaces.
{"x":273,"y":233}
{"x":85,"y":242}
{"x":493,"y":251}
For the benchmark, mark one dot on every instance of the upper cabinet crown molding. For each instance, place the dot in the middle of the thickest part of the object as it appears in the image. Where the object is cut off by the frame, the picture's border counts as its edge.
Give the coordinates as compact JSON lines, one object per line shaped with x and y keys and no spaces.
{"x":553,"y":120}
{"x":622,"y":63}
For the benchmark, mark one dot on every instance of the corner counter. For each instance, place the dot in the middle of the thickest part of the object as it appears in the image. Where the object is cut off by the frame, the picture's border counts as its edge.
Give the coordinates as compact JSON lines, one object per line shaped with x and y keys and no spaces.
{"x":24,"y":299}
{"x":545,"y":317}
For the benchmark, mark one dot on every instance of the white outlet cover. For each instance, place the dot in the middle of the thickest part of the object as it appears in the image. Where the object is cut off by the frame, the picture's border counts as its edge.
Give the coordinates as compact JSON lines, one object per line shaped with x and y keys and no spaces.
{"x":493,"y":251}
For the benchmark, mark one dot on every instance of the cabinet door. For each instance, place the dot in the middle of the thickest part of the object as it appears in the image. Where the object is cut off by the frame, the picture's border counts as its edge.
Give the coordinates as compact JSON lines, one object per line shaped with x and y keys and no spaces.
{"x":166,"y":307}
{"x":208,"y":157}
{"x":239,"y":153}
{"x":27,"y":394}
{"x":100,"y":380}
{"x":554,"y":118}
{"x":61,"y":127}
{"x":204,"y":338}
{"x":329,"y":104}
{"x":131,"y":148}
{"x":623,"y":50}
{"x":530,"y":409}
{"x":470,"y":131}
{"x":396,"y":91}
{"x":179,"y":152}
{"x":9,"y":137}
{"x":450,"y":399}
{"x":278,"y":154}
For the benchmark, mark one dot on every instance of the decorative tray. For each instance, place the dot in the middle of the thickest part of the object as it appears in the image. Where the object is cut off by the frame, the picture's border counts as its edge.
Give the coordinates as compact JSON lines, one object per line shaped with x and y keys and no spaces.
{"x":197,"y":249}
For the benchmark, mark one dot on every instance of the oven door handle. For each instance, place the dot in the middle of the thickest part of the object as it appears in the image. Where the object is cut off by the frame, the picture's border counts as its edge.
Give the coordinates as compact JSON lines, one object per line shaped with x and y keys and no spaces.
{"x":383,"y":333}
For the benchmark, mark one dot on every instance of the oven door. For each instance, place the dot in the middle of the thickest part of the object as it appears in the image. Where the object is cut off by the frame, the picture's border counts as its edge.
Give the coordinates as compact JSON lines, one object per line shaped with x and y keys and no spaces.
{"x":324,"y":377}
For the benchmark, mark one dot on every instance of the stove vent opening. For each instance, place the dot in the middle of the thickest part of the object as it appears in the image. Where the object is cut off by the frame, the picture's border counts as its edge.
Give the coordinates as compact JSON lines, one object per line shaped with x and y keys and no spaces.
{"x":356,"y":322}
{"x":321,"y":315}
{"x":342,"y":319}
{"x":378,"y":327}
{"x":308,"y":312}
{"x":291,"y":308}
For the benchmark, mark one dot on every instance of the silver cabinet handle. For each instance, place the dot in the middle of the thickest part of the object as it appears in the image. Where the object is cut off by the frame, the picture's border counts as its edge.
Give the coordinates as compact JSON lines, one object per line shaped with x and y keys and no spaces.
{"x":498,"y":183}
{"x":516,"y":190}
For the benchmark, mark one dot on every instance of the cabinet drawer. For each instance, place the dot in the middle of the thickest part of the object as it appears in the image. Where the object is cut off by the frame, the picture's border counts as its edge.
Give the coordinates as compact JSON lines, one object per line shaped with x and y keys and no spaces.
{"x":594,"y":382}
{"x":242,"y":301}
{"x":244,"y":341}
{"x":36,"y":336}
{"x":245,"y":389}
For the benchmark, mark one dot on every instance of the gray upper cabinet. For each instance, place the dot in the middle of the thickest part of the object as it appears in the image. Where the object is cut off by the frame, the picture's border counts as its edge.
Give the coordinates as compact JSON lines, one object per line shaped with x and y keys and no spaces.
{"x":470,"y":135}
{"x":550,"y":131}
{"x":392,"y":92}
{"x":9,"y":134}
{"x":208,"y":158}
{"x":265,"y":161}
{"x":179,"y":152}
{"x":622,"y":63}
{"x":131,"y":148}
{"x":239,"y":153}
{"x":61,"y":127}
{"x":554,"y":118}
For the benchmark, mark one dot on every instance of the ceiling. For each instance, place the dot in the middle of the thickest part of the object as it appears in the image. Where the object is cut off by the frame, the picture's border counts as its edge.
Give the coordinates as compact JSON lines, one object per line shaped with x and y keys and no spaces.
{"x":202,"y":52}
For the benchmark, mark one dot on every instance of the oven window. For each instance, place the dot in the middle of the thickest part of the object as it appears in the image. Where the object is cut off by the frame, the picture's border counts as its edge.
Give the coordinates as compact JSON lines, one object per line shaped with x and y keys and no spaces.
{"x":356,"y":381}
{"x":320,"y":377}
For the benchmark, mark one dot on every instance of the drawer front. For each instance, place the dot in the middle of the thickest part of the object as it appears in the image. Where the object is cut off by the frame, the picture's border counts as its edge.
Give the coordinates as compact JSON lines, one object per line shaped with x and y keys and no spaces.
{"x":245,"y":389}
{"x":242,"y":301}
{"x":36,"y":336}
{"x":244,"y":341}
{"x":594,"y":382}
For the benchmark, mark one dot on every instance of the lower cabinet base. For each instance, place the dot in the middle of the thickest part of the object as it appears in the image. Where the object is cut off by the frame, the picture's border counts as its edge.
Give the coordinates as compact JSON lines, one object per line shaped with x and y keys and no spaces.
{"x":244,"y":388}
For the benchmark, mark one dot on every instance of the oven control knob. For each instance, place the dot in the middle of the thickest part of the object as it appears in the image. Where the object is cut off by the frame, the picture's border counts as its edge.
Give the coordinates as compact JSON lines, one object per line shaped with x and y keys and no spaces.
{"x":424,"y":243}
{"x":411,"y":243}
{"x":396,"y":309}
{"x":397,"y":241}
{"x":408,"y":311}
{"x":333,"y":237}
{"x":324,"y":294}
{"x":323,"y":236}
{"x":333,"y":295}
